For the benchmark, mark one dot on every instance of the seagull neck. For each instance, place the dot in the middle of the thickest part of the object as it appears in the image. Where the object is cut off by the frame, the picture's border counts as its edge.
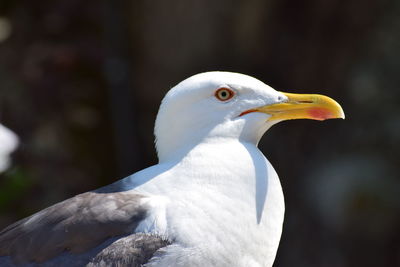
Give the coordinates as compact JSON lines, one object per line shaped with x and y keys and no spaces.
{"x":177,"y":143}
{"x":213,"y":144}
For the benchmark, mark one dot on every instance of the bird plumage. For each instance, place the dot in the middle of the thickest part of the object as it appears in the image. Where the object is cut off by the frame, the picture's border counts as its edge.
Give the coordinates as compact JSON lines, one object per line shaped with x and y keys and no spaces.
{"x":212,"y":200}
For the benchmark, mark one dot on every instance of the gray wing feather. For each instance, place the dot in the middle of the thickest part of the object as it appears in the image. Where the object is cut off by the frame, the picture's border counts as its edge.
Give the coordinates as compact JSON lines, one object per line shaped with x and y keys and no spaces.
{"x":128,"y":251}
{"x":134,"y":250}
{"x":74,"y":226}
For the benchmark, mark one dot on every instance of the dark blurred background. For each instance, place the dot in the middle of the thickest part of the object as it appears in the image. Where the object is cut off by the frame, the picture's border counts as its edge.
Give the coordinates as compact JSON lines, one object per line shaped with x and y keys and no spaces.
{"x":81,"y":82}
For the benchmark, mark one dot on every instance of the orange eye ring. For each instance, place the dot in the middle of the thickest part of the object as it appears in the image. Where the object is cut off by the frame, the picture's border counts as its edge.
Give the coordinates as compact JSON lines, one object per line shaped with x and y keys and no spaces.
{"x":224,"y":94}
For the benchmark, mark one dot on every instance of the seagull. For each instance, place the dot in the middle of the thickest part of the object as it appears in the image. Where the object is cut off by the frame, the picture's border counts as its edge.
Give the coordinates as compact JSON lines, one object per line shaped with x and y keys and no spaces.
{"x":8,"y":143}
{"x":212,"y":200}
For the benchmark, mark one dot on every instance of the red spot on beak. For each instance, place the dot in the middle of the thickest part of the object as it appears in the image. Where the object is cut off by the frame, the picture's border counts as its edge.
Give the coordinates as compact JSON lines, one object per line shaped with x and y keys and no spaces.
{"x":320,"y":113}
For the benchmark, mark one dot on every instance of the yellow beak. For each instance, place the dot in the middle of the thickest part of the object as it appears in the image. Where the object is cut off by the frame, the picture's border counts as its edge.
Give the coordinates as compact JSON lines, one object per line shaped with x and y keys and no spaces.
{"x":304,"y":106}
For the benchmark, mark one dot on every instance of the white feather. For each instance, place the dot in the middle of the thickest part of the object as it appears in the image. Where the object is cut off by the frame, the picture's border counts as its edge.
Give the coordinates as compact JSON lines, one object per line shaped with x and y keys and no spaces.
{"x":213,"y":194}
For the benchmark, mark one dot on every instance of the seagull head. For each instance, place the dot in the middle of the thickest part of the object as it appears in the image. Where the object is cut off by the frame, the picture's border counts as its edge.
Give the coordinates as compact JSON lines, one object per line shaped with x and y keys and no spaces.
{"x":215,"y":106}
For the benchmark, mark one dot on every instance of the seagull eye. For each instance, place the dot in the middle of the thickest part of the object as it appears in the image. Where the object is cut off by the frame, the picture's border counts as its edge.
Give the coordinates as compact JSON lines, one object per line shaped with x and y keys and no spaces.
{"x":224,"y":94}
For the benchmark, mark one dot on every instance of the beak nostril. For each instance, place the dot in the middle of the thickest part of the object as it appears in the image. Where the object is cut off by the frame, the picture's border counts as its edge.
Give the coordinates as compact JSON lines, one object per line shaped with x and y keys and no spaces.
{"x":305,"y":102}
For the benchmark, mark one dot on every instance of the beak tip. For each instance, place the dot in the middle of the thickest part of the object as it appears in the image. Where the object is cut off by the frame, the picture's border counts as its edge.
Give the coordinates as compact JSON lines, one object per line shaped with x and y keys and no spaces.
{"x":341,"y":114}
